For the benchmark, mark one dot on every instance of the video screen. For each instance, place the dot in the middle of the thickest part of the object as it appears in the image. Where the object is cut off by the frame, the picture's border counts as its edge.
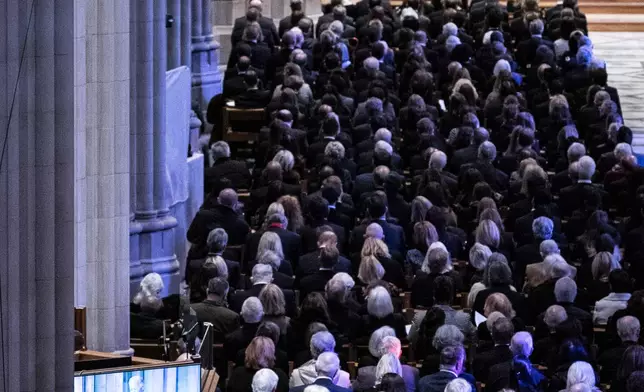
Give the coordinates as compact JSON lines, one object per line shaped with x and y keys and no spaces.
{"x":186,"y":378}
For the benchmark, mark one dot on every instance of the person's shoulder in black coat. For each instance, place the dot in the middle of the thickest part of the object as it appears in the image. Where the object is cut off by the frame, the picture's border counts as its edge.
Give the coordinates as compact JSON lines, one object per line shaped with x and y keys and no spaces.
{"x":236,"y":171}
{"x":252,"y":99}
{"x":486,"y":360}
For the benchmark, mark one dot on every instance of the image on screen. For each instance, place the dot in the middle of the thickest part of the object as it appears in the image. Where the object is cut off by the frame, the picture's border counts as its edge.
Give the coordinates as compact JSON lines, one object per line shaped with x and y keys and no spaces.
{"x":170,"y":379}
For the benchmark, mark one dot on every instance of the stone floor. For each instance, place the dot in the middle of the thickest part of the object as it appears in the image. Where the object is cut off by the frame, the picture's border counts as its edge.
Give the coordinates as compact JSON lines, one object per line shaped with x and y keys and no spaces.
{"x":624,"y":56}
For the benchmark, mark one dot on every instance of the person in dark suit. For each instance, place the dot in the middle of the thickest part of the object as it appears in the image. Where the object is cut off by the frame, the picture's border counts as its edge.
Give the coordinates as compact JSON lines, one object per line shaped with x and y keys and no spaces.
{"x":252,"y":46}
{"x":290,"y":242}
{"x":281,"y":279}
{"x":234,"y":78}
{"x":500,"y":281}
{"x":317,"y":281}
{"x":339,"y":214}
{"x":484,"y":163}
{"x":215,"y":248}
{"x":563,"y":179}
{"x":600,"y":77}
{"x":628,"y":329}
{"x":394,"y":235}
{"x":253,"y":97}
{"x":543,"y":296}
{"x":318,"y":213}
{"x":330,"y":130}
{"x":502,"y":331}
{"x":518,"y":369}
{"x":145,"y":324}
{"x":367,"y":183}
{"x":292,"y":20}
{"x":223,"y":166}
{"x":530,"y":253}
{"x":222,"y":215}
{"x":575,"y":196}
{"x":277,"y":61}
{"x":452,"y":365}
{"x":310,"y":263}
{"x":261,"y":276}
{"x":254,"y":14}
{"x":379,"y":50}
{"x":251,"y":314}
{"x":327,"y":366}
{"x":213,"y":310}
{"x":469,"y":154}
{"x":527,"y":49}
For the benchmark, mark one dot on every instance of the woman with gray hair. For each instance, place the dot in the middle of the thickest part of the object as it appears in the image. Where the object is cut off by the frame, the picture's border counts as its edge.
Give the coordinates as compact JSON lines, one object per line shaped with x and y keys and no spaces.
{"x":446,"y":335}
{"x":423,"y":236}
{"x":388,"y":363}
{"x":286,"y":161}
{"x":380,"y":311}
{"x":321,"y":342}
{"x":271,"y":241}
{"x":437,"y":263}
{"x":271,"y":258}
{"x":478,"y":257}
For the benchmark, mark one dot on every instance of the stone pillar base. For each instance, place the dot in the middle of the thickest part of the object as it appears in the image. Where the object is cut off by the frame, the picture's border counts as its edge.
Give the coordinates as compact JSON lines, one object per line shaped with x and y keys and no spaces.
{"x":206,"y":78}
{"x":152,"y":250}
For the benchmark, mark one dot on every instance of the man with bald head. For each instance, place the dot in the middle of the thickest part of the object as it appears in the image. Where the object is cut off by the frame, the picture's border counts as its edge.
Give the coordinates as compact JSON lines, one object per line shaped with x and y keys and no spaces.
{"x":226,"y":215}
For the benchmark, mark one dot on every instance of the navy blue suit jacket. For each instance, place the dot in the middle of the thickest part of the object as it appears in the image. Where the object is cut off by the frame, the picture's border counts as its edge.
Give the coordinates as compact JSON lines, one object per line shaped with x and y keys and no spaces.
{"x":436,"y":382}
{"x":323,"y":382}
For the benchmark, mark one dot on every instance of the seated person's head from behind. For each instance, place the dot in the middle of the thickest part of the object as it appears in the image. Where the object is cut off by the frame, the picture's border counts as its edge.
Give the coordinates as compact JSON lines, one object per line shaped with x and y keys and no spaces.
{"x":150,"y":288}
{"x":321,"y":342}
{"x":217,"y":289}
{"x":554,"y":316}
{"x":250,"y":79}
{"x":270,"y":330}
{"x":262,"y":274}
{"x":619,"y":281}
{"x":565,"y":290}
{"x":377,"y":205}
{"x":628,"y":329}
{"x":382,"y":153}
{"x":264,"y":380}
{"x":521,"y":344}
{"x":252,"y":33}
{"x":330,"y":126}
{"x":447,"y":335}
{"x":458,"y":385}
{"x":318,"y":208}
{"x":327,"y":365}
{"x":443,"y":290}
{"x":228,"y":198}
{"x":329,"y":257}
{"x":217,"y":241}
{"x":260,"y":353}
{"x":453,"y":358}
{"x":374,"y":230}
{"x":487,"y":152}
{"x":502,"y":331}
{"x":542,"y":229}
{"x":326,"y":237}
{"x":252,"y":310}
{"x":498,"y":302}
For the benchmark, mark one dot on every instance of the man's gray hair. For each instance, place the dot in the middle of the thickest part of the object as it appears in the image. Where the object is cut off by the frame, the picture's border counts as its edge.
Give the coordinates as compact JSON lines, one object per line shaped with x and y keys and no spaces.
{"x":382,"y":150}
{"x":345,"y":278}
{"x":536,"y":27}
{"x":252,"y":310}
{"x":380,"y":174}
{"x":628,"y":329}
{"x":228,"y":197}
{"x":374,"y":230}
{"x":458,"y":385}
{"x":388,"y":363}
{"x":575,"y":151}
{"x":382,"y":134}
{"x":542,"y":228}
{"x":554,"y":316}
{"x":548,"y":247}
{"x":371,"y":64}
{"x":479,"y":255}
{"x":623,"y":151}
{"x":379,"y":303}
{"x":565,"y":290}
{"x":521,"y":344}
{"x":217,"y":240}
{"x":271,"y":258}
{"x":487,"y":152}
{"x":451,"y":42}
{"x":586,"y":168}
{"x":450,"y":29}
{"x":327,"y":364}
{"x":390,"y":345}
{"x":321,"y":342}
{"x":265,"y":380}
{"x":286,"y":160}
{"x":438,"y":160}
{"x":334,"y":150}
{"x":447,"y":335}
{"x":262,"y":273}
{"x":220,"y":150}
{"x":336,"y":27}
{"x":559,"y":268}
{"x":376,"y":338}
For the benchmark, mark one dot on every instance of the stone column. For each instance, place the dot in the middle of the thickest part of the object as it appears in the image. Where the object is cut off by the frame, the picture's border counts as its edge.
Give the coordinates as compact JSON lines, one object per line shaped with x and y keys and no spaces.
{"x":107,"y":181}
{"x":174,"y":34}
{"x":206,"y":78}
{"x":152,"y":230}
{"x":37,"y":183}
{"x":186,"y":33}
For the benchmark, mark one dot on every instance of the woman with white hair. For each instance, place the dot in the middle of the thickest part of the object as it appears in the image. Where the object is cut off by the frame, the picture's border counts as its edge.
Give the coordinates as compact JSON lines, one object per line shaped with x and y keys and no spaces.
{"x":270,"y":241}
{"x":478,"y":257}
{"x":380,"y":312}
{"x":286,"y":159}
{"x":423,"y":235}
{"x":388,"y":363}
{"x":581,"y":372}
{"x":148,"y":308}
{"x":446,"y":335}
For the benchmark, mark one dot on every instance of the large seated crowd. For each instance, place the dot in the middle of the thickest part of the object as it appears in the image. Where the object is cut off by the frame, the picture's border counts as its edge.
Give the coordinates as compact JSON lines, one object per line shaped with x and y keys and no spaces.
{"x":443,"y":197}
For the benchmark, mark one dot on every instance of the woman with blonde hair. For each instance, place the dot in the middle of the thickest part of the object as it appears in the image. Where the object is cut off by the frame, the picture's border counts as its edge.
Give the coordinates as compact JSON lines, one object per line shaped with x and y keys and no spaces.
{"x":274,"y":304}
{"x":293,"y":212}
{"x":374,"y":248}
{"x":260,"y":354}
